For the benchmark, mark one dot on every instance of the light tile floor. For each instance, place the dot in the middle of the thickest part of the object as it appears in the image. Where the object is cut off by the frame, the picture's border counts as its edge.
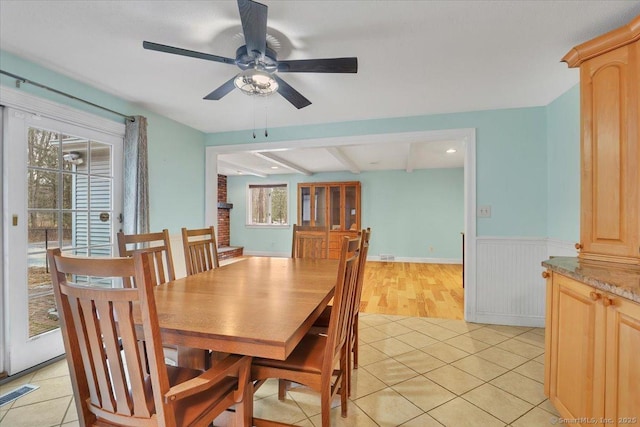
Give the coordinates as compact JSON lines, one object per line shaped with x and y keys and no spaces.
{"x":413,"y":372}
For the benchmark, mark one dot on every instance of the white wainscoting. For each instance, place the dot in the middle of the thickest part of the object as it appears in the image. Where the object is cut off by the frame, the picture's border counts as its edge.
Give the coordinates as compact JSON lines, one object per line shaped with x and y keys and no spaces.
{"x":556,"y":247}
{"x":509,"y":287}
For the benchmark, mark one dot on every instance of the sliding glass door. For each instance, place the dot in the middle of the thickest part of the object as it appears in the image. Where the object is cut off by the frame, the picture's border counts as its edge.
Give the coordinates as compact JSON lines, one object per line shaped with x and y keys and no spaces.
{"x":63,"y":190}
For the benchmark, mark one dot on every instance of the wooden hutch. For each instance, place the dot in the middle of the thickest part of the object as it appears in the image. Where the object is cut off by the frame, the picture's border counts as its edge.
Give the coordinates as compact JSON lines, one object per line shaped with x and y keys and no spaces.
{"x":335,"y":205}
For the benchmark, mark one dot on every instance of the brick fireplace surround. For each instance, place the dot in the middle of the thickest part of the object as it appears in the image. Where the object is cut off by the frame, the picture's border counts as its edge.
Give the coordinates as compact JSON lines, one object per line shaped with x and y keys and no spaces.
{"x":225,"y":250}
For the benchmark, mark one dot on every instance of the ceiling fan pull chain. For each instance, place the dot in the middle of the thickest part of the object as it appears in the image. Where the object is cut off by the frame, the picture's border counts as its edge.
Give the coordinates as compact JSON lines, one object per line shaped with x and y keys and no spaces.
{"x":266,"y":121}
{"x":253,"y":102}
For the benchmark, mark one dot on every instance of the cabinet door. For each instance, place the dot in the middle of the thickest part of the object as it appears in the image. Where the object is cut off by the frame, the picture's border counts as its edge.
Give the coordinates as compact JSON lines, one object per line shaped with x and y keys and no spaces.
{"x":351,"y":208}
{"x":610,"y":225}
{"x":335,"y":207}
{"x":304,"y":205}
{"x":320,"y":206}
{"x":577,"y":349}
{"x":312,"y":205}
{"x":623,"y":364}
{"x":548,"y":328}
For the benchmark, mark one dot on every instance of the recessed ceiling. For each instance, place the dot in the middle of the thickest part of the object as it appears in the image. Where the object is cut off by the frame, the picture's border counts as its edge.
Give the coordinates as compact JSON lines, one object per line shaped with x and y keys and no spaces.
{"x":415,"y":58}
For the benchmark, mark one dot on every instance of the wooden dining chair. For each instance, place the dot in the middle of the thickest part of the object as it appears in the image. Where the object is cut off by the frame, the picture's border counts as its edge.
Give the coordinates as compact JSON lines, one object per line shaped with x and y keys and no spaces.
{"x":310,"y":242}
{"x":158,"y":244}
{"x":200,"y":250}
{"x":353,"y":339}
{"x":322,"y":323}
{"x":320,"y":361}
{"x":115,"y":380}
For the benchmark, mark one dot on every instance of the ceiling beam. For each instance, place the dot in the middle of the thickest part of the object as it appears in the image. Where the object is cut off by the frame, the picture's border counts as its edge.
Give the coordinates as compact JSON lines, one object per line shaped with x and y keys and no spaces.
{"x":242,"y":169}
{"x":344,"y":159}
{"x":411,"y":157}
{"x":282,"y":162}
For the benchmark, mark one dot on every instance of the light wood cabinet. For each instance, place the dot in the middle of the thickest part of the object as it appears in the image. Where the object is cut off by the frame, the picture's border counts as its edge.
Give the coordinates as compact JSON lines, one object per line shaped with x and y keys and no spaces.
{"x":610,"y":153}
{"x":576,"y":385}
{"x":592,"y":369}
{"x":335,"y":205}
{"x":622,"y":371}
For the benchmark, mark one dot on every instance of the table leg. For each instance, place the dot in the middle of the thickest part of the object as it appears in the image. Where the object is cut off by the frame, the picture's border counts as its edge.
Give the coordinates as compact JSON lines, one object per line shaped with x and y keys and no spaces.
{"x":194,"y":358}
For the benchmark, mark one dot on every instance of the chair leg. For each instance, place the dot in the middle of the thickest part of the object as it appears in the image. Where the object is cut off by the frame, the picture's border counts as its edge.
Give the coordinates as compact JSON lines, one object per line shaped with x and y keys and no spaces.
{"x":244,"y":409}
{"x":355,"y":343}
{"x":349,"y":366}
{"x":283,"y":385}
{"x":345,"y":379}
{"x":325,"y":405}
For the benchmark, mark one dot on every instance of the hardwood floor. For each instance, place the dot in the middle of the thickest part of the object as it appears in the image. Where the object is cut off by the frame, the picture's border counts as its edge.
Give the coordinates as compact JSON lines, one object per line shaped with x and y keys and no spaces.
{"x":411,"y":289}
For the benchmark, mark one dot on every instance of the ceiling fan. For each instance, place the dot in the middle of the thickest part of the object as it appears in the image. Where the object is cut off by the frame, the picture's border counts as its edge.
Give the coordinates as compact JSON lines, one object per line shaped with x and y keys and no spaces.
{"x":259,"y":63}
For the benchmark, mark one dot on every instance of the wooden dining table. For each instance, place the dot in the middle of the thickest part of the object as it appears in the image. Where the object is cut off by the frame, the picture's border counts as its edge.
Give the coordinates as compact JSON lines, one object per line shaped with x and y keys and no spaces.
{"x":258,"y":306}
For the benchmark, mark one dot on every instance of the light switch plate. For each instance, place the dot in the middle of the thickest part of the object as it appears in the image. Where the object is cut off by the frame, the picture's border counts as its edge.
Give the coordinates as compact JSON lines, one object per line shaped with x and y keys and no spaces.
{"x":484,"y":211}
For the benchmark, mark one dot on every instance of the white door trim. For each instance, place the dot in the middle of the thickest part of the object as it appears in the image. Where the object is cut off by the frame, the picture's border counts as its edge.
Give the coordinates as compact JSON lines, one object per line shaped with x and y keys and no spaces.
{"x":34,"y":106}
{"x":21,"y":100}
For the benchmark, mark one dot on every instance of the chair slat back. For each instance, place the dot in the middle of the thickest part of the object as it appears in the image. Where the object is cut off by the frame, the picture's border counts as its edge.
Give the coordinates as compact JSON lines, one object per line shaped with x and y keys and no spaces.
{"x":108,"y":366}
{"x":200,"y":250}
{"x":310,"y":242}
{"x":346,"y":283}
{"x":158,"y":244}
{"x":364,"y":250}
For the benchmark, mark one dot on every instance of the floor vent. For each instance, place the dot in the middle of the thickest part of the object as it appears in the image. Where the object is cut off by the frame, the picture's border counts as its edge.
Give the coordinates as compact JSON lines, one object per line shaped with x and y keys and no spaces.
{"x":17,"y":393}
{"x":387,"y":257}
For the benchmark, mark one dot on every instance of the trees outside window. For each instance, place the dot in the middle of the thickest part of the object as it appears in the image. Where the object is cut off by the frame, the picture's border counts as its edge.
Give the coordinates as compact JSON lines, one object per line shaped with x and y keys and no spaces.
{"x":268,"y":204}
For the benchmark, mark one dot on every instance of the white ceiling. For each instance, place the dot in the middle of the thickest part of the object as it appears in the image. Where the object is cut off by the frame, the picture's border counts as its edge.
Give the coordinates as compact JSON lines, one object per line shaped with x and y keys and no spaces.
{"x":415,"y":58}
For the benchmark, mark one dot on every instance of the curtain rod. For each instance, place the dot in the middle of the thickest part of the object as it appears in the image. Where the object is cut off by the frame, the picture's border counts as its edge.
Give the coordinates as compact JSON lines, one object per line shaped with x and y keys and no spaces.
{"x":31,"y":82}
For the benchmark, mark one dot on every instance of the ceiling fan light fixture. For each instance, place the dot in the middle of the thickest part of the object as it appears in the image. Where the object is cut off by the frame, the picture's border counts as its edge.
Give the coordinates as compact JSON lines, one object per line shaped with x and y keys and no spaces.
{"x":256,"y":82}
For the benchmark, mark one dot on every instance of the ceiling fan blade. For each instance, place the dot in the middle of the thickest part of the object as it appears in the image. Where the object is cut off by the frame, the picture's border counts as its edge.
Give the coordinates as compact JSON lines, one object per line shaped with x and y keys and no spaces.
{"x":254,"y":25}
{"x":222,"y":90}
{"x":185,"y":52}
{"x":290,"y":94}
{"x":329,"y":65}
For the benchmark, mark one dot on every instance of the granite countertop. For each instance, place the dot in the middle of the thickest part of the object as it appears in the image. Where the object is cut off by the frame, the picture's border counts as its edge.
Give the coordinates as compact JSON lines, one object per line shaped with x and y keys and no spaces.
{"x":618,"y":279}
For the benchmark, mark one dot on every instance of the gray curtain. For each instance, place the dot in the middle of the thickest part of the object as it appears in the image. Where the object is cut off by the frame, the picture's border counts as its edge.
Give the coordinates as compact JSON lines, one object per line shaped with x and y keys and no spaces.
{"x":136,"y":177}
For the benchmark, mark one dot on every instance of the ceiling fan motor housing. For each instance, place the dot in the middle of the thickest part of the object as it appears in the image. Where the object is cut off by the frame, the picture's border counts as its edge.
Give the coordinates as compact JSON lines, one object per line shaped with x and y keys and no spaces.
{"x":246,"y":60}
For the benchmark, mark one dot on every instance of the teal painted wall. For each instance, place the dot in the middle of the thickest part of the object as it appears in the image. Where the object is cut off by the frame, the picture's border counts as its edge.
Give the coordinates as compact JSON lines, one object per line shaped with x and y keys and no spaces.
{"x":176,"y":159}
{"x":563,"y":147}
{"x":522,"y":157}
{"x":427,"y":213}
{"x":511,"y":159}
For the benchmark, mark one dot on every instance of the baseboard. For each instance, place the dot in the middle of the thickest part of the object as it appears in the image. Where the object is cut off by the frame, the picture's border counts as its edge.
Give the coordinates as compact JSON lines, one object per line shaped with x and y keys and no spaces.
{"x":511,"y":320}
{"x":369,"y":258}
{"x":268,"y":254}
{"x":417,"y":260}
